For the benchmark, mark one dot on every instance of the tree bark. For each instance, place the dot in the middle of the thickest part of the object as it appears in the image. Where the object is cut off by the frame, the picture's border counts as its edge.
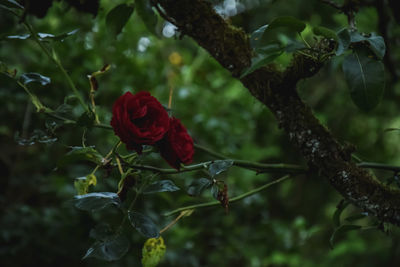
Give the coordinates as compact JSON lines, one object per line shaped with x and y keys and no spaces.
{"x":277,"y":90}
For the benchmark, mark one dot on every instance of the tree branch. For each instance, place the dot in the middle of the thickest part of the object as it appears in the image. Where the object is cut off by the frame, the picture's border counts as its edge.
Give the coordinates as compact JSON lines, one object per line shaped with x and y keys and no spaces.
{"x":277,"y":90}
{"x":254,"y":166}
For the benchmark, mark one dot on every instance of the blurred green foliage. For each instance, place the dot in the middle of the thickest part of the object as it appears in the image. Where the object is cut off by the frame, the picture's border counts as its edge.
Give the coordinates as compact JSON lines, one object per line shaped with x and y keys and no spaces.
{"x":287,"y":225}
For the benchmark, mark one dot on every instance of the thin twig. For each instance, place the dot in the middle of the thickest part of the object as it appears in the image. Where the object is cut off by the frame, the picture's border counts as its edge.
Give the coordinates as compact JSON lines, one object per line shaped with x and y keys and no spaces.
{"x":58,"y":63}
{"x":232,"y":200}
{"x":173,"y":222}
{"x":254,"y":166}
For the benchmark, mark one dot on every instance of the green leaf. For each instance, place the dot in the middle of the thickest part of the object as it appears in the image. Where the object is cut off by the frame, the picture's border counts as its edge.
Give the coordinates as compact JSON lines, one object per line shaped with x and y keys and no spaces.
{"x":143,"y":224}
{"x":355,"y":217}
{"x":161,"y":186}
{"x":63,"y":109}
{"x":259,"y":62}
{"x":21,"y":37}
{"x":37,"y":136}
{"x":269,"y":33}
{"x":146,"y":13}
{"x":341,"y":230}
{"x":293,"y":46}
{"x":288,"y":22}
{"x":86,"y":119}
{"x":153,"y":251}
{"x":3,"y":67}
{"x":325,"y":32}
{"x":82,"y":184}
{"x":96,"y":201}
{"x":366,"y":79}
{"x":391,"y":129}
{"x":219,"y":166}
{"x":198,"y":186}
{"x":12,"y":4}
{"x":45,"y":36}
{"x":81,"y":153}
{"x":269,"y":49}
{"x":5,"y":70}
{"x":118,"y":17}
{"x":34,"y":77}
{"x":110,"y":249}
{"x":42,"y":36}
{"x":343,"y":41}
{"x":339,"y":209}
{"x":101,"y":231}
{"x":256,"y":36}
{"x":375,"y":43}
{"x":214,"y":191}
{"x":52,"y":37}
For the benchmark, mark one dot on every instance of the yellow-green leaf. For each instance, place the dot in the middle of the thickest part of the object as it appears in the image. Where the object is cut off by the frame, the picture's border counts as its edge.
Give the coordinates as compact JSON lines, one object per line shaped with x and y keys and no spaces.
{"x":82,"y":183}
{"x":153,"y":251}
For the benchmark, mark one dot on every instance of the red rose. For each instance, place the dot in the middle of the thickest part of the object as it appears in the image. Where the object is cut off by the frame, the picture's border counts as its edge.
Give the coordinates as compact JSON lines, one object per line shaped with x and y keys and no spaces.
{"x":177,"y":145}
{"x":139,"y":120}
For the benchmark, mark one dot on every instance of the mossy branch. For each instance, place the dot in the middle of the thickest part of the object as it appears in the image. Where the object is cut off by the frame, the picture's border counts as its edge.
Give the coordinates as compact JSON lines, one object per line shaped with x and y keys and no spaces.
{"x":277,"y":90}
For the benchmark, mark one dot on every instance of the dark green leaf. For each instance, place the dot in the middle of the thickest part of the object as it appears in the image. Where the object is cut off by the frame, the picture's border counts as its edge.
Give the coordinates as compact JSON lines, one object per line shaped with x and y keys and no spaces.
{"x":214,"y":191}
{"x":259,"y":62}
{"x":118,"y":17}
{"x":3,"y":67}
{"x":82,"y":153}
{"x":339,"y":209}
{"x":257,"y":35}
{"x":343,"y":41}
{"x":356,"y":217}
{"x":293,"y":46}
{"x":269,"y":49}
{"x":268,"y":34}
{"x":325,"y":32}
{"x":86,"y":119}
{"x":96,"y":201}
{"x":110,"y":249}
{"x":198,"y":186}
{"x":143,"y":224}
{"x":63,"y":109}
{"x":161,"y":186}
{"x":37,"y":136}
{"x":146,"y":13}
{"x":12,"y":4}
{"x":219,"y":166}
{"x":34,"y":77}
{"x":21,"y":37}
{"x":5,"y":70}
{"x":392,"y":129}
{"x":60,"y":37}
{"x":366,"y":79}
{"x":287,"y":22}
{"x":376,"y":43}
{"x":43,"y":36}
{"x":341,"y":230}
{"x":101,"y":231}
